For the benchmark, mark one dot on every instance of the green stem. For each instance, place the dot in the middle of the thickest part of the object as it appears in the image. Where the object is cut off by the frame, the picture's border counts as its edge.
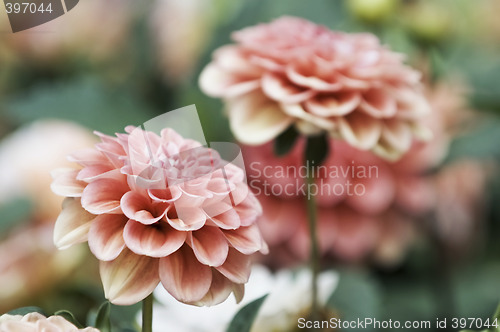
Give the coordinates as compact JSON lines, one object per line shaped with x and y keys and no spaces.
{"x":147,"y":314}
{"x":314,"y":254}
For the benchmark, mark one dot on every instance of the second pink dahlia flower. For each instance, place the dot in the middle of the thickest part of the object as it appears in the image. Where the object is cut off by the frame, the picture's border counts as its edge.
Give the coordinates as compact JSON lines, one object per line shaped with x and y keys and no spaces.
{"x":294,"y":72}
{"x":160,"y":208}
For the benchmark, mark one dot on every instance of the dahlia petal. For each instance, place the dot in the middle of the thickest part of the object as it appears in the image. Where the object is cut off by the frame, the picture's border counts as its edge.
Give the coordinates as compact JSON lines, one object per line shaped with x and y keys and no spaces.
{"x":184,"y":277}
{"x":106,"y":236}
{"x":139,"y":207}
{"x":239,"y":292}
{"x":166,"y":195}
{"x":338,"y":105}
{"x":312,"y":81}
{"x":72,"y":225}
{"x":66,"y":184}
{"x":280,"y":89}
{"x":217,"y":82}
{"x":297,"y":111}
{"x":219,"y":291}
{"x":360,"y":130}
{"x":185,"y":218}
{"x":378,"y":104}
{"x":254,"y":119}
{"x":88,"y":157}
{"x":103,"y":195}
{"x":158,"y":240}
{"x":229,"y":219}
{"x":396,"y":139}
{"x":129,"y":278}
{"x":236,"y":267}
{"x":209,"y":246}
{"x":233,"y":60}
{"x":246,"y":240}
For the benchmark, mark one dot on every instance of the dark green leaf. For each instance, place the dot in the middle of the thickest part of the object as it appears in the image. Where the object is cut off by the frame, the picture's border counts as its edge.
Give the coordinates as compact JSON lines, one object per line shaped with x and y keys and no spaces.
{"x":69,"y":317}
{"x":102,"y":321}
{"x":244,"y":319}
{"x":317,"y":149}
{"x":26,"y":310}
{"x":285,"y":142}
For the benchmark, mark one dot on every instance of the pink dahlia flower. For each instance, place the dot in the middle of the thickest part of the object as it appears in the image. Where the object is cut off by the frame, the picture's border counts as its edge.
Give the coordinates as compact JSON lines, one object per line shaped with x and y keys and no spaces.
{"x":160,"y":208}
{"x":294,"y":72}
{"x":35,"y":322}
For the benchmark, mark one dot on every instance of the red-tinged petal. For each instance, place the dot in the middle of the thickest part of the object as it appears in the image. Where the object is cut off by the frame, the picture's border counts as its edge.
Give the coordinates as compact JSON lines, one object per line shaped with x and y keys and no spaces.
{"x":104,"y":195}
{"x":140,"y":207}
{"x":282,"y":90}
{"x":185,"y":218}
{"x":378,"y":104}
{"x":255,"y":119}
{"x":72,"y":225}
{"x":236,"y":267}
{"x":158,"y":240}
{"x":360,"y":130}
{"x":246,"y":240}
{"x":106,"y":236}
{"x":310,"y":81}
{"x":89,"y":173}
{"x":338,"y":105}
{"x":209,"y":245}
{"x":66,"y":184}
{"x":184,"y":277}
{"x":130,"y":278}
{"x":166,"y":195}
{"x":219,"y":291}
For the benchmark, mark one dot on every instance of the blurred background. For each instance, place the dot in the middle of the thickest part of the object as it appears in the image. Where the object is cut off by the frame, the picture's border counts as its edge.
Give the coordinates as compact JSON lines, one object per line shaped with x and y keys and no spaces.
{"x":433,"y":252}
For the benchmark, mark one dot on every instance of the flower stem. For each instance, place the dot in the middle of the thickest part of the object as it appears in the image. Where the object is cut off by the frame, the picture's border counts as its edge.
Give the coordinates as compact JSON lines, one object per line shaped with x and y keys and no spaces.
{"x":147,"y":314}
{"x":314,"y":251}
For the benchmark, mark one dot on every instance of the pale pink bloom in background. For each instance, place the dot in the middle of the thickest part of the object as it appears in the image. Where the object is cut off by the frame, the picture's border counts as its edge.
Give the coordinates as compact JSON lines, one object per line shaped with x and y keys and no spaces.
{"x":31,"y":266}
{"x":294,"y":72}
{"x":160,"y":208}
{"x":383,"y":220}
{"x":88,"y":30}
{"x":28,"y":155}
{"x":35,"y":322}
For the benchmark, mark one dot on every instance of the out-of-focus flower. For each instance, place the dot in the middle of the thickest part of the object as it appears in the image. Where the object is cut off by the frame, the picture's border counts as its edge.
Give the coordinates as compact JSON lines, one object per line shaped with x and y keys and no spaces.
{"x":35,"y":322}
{"x":160,"y":207}
{"x":294,"y":72}
{"x":372,"y":11}
{"x":289,"y":298}
{"x":79,"y":32}
{"x":366,"y":204}
{"x":30,"y":265}
{"x":181,"y":30}
{"x":429,"y":21}
{"x":27,"y":157}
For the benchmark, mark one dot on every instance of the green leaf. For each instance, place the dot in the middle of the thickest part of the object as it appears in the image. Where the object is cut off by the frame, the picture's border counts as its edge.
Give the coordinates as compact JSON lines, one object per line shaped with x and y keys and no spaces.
{"x":102,"y":321}
{"x":69,"y":317}
{"x":26,"y":310}
{"x":317,"y":149}
{"x":244,"y":319}
{"x":285,"y":142}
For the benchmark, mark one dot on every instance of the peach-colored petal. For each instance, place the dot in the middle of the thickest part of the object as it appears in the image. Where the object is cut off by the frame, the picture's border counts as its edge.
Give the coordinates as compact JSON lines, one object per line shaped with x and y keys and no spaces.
{"x":219,"y":291}
{"x":360,"y":130}
{"x":158,"y":240}
{"x":229,"y":219}
{"x":236,"y":267}
{"x":103,"y":196}
{"x":129,"y":278}
{"x":338,"y":105}
{"x":209,"y":245}
{"x":378,"y":104}
{"x":88,"y":157}
{"x":185,"y":218}
{"x":309,"y":80}
{"x":184,"y":277}
{"x":72,"y":225}
{"x":139,"y":207}
{"x":216,"y":82}
{"x":92,"y":172}
{"x":66,"y":184}
{"x":278,"y":88}
{"x":255,"y":120}
{"x":246,"y":240}
{"x":106,"y":236}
